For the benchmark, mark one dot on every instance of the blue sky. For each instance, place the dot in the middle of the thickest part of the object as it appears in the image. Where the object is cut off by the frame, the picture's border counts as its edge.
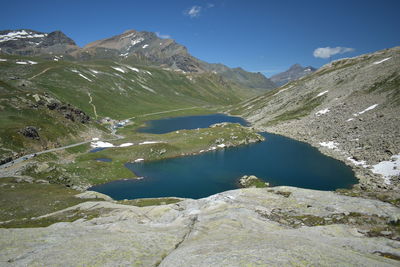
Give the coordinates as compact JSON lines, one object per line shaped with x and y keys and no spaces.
{"x":265,"y":36}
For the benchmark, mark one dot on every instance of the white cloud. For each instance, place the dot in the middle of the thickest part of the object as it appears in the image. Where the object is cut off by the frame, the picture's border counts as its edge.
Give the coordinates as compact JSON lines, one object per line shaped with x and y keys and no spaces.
{"x":327,"y":52}
{"x":163,"y":36}
{"x":193,"y":12}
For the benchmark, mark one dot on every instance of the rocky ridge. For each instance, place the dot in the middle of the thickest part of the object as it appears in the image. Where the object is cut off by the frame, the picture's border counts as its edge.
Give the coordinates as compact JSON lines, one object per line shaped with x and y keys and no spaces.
{"x":348,"y":109}
{"x":293,"y":73}
{"x":271,"y":226}
{"x":29,"y":42}
{"x":131,"y":46}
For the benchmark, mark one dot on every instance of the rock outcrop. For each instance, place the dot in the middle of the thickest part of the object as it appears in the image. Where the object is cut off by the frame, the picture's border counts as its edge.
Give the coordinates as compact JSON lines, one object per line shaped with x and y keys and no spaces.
{"x":293,"y":73}
{"x":32,"y":43}
{"x":348,"y":109}
{"x":30,"y":132}
{"x":252,"y":181}
{"x":279,"y":226}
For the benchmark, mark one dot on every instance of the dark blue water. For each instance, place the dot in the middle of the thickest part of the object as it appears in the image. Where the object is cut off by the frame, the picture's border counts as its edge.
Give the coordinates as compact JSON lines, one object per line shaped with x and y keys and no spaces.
{"x":188,"y":123}
{"x":278,"y":160}
{"x":97,"y":149}
{"x":104,"y":159}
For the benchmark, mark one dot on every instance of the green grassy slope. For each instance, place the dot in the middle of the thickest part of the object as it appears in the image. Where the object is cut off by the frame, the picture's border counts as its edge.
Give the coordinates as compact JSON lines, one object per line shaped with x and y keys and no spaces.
{"x":119,"y":90}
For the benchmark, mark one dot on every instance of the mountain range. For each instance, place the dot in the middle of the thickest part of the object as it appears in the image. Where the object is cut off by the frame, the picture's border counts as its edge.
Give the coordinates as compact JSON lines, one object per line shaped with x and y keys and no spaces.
{"x":295,"y":72}
{"x":144,"y":48}
{"x":58,"y":101}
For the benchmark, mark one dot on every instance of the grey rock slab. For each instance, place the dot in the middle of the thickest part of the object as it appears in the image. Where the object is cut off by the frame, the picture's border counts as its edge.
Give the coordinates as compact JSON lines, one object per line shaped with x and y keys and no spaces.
{"x":226,"y":229}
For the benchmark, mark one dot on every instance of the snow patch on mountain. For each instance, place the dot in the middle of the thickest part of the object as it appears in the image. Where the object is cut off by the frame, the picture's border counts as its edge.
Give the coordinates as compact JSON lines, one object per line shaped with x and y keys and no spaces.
{"x":321,"y":112}
{"x":136,"y":41}
{"x":388,"y":168}
{"x":361,"y":163}
{"x":329,"y":144}
{"x":322,"y":93}
{"x":26,"y":62}
{"x":132,"y":68}
{"x":83,"y":76}
{"x":11,"y":36}
{"x":118,"y":69}
{"x":147,"y":88}
{"x":380,"y":61}
{"x":365,"y":110}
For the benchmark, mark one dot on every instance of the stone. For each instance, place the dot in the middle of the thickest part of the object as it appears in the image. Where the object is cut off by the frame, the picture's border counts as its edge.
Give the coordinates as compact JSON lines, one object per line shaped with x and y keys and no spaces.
{"x":226,"y":229}
{"x":93,"y":195}
{"x":30,"y":132}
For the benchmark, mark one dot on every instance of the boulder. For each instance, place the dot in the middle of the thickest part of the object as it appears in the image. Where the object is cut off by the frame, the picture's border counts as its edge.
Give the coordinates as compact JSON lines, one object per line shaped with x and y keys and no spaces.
{"x":30,"y":132}
{"x":252,"y":181}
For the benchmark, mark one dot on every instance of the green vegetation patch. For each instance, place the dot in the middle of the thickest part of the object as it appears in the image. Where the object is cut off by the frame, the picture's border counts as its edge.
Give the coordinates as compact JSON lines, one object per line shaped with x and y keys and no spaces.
{"x":391,"y":85}
{"x":144,"y":202}
{"x":303,"y":110}
{"x":21,"y":202}
{"x":85,"y":170}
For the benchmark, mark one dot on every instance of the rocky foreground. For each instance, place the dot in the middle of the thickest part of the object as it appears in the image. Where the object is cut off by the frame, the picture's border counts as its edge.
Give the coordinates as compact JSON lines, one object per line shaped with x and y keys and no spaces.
{"x":270,"y":227}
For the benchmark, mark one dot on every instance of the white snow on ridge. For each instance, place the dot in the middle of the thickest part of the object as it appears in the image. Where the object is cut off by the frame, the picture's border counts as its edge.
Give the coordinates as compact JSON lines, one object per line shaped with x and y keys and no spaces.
{"x":94,"y":71}
{"x":20,"y":35}
{"x":136,"y":41}
{"x":83,"y":76}
{"x":351,"y":119}
{"x":118,"y":69}
{"x":146,"y":45}
{"x":380,"y":61}
{"x":329,"y":144}
{"x":321,"y":112}
{"x":365,"y":110}
{"x":322,"y":93}
{"x":388,"y":168}
{"x":3,"y":59}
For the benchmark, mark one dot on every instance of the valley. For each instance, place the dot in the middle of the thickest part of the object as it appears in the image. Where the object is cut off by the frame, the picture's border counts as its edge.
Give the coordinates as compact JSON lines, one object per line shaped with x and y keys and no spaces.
{"x":73,"y":119}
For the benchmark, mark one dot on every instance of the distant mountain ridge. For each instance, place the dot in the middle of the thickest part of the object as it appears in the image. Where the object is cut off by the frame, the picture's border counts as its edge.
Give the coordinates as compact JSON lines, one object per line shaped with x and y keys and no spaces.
{"x":133,"y":46}
{"x":33,"y":43}
{"x":295,"y":72}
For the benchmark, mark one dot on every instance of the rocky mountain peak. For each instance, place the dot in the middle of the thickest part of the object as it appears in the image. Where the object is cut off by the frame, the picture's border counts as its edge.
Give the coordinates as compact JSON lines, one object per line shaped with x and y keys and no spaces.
{"x":30,"y":42}
{"x":139,"y":47}
{"x":295,"y":72}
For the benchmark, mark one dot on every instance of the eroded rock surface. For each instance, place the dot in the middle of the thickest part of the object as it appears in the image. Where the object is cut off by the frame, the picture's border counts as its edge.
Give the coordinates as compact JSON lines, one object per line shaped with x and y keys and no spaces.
{"x":234,"y":228}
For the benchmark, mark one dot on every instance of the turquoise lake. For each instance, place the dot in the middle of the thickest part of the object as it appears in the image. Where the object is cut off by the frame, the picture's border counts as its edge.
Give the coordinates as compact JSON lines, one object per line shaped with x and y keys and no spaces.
{"x":188,"y":122}
{"x":278,"y":160}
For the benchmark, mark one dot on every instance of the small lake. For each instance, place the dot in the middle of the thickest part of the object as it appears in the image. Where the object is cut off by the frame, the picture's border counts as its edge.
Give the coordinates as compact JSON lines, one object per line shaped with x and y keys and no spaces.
{"x":104,"y":159}
{"x":278,"y":160}
{"x":188,"y":122}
